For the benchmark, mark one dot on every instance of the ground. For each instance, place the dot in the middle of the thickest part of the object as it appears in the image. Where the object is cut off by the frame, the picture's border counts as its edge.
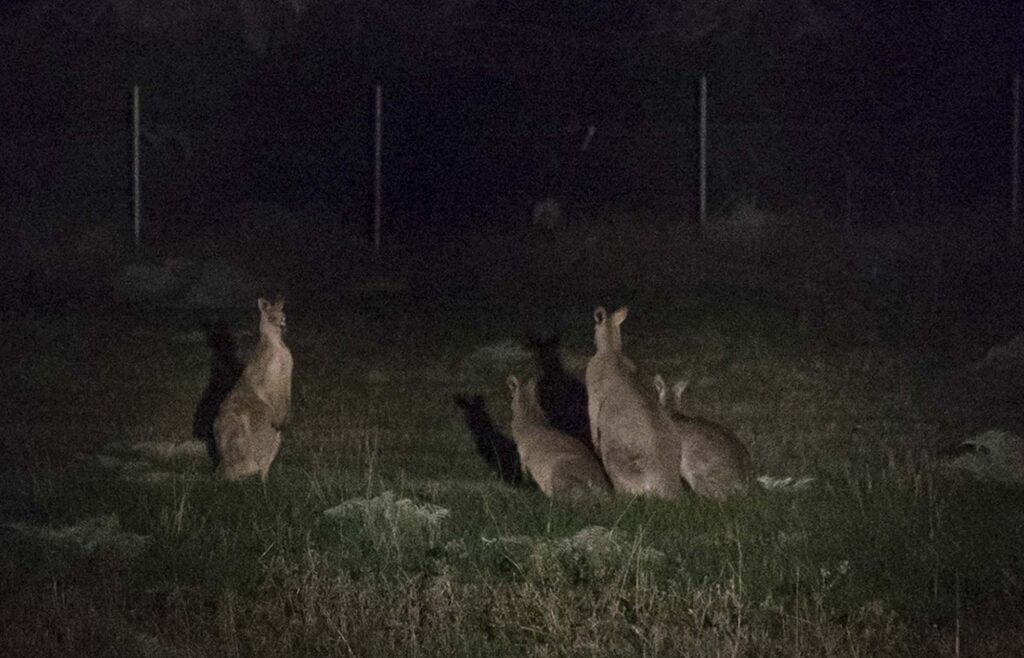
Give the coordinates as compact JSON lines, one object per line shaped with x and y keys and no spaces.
{"x":853,"y":362}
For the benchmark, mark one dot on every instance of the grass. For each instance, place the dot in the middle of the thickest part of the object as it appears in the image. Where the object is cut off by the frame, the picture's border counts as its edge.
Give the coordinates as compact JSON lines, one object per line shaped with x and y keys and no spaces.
{"x":883,"y":556}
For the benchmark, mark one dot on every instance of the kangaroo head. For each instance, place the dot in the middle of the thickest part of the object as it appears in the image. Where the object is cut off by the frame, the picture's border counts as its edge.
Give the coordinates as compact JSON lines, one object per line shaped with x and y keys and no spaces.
{"x":524,"y":397}
{"x":608,"y":329}
{"x":513,"y":385}
{"x":661,"y":389}
{"x":271,"y":316}
{"x":677,"y":393}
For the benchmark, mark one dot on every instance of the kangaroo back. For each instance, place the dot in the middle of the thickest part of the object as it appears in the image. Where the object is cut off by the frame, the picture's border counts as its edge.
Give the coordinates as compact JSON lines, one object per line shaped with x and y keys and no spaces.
{"x":632,"y":434}
{"x":247,"y":441}
{"x":557,"y":462}
{"x":713,"y":461}
{"x":269,"y":372}
{"x":247,"y":430}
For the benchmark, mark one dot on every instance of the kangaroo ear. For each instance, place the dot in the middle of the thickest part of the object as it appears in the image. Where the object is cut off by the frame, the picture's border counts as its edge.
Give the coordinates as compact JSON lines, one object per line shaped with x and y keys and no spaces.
{"x":620,"y":315}
{"x":677,"y":392}
{"x":600,"y":315}
{"x":513,"y":383}
{"x":263,"y":305}
{"x":659,"y":386}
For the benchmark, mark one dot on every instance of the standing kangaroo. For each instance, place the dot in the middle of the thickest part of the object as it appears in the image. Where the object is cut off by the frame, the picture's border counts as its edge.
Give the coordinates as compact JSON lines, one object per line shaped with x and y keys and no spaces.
{"x":713,"y":461}
{"x":557,"y":462}
{"x":248,"y":426}
{"x":634,"y":437}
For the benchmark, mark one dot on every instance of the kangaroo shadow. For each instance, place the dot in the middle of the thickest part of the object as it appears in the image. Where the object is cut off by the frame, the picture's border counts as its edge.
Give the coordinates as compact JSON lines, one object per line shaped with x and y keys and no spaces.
{"x":497,"y":450}
{"x":562,"y":396}
{"x":225,"y":369}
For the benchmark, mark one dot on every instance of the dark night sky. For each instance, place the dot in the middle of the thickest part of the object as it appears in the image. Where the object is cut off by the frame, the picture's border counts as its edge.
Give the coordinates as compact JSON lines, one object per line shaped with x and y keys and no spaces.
{"x":489,"y":90}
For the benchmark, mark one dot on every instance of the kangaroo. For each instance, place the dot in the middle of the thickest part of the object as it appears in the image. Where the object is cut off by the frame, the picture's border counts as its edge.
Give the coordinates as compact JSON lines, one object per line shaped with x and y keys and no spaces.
{"x":562,"y":397}
{"x":714,"y":462}
{"x":558,"y":463}
{"x":496,"y":449}
{"x":248,"y":426}
{"x":634,"y":436}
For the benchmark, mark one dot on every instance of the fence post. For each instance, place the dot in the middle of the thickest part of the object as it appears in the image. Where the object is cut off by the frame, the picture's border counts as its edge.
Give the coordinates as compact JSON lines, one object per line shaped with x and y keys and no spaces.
{"x":136,"y":168}
{"x":848,"y":221}
{"x":1015,"y":167}
{"x":703,"y":153}
{"x":378,"y":102}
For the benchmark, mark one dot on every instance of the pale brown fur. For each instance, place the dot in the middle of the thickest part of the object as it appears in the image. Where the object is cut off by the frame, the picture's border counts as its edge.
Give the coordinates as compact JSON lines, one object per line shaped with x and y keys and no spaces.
{"x":248,"y":425}
{"x":714,"y":462}
{"x":632,"y":433}
{"x":560,"y":464}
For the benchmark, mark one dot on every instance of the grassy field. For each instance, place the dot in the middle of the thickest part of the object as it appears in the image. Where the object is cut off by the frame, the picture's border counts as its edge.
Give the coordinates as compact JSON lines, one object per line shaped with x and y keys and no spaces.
{"x":821,"y":364}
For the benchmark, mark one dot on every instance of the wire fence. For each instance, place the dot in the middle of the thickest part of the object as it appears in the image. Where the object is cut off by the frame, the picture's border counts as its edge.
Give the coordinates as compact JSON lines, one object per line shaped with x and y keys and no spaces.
{"x":448,"y":148}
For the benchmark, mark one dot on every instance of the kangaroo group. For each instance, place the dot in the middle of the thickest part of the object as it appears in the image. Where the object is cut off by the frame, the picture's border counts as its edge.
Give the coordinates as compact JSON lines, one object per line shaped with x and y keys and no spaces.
{"x":627,"y":436}
{"x":617,"y":431}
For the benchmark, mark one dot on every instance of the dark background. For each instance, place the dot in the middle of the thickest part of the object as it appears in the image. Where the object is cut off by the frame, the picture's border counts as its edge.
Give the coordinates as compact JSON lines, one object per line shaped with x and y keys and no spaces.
{"x":891,"y":115}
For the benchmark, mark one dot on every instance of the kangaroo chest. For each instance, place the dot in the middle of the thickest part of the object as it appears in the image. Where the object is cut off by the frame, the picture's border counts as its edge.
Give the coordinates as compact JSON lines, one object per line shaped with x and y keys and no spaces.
{"x":270,"y":374}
